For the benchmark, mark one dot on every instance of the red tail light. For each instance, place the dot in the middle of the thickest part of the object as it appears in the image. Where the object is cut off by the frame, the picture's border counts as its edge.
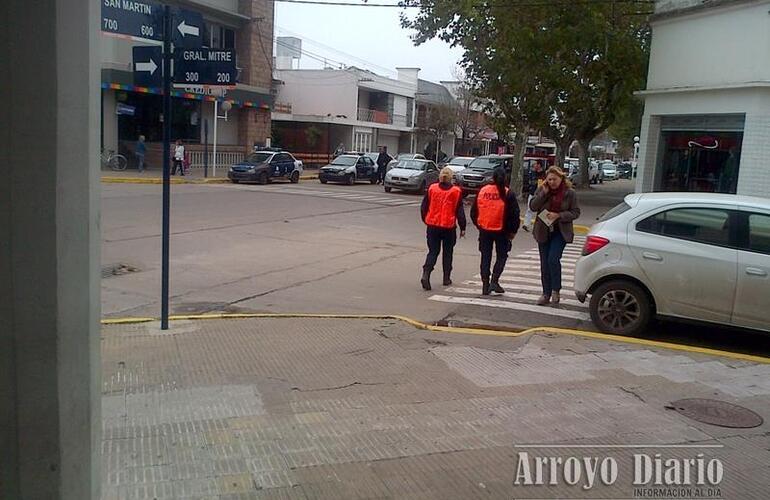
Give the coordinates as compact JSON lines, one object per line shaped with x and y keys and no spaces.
{"x":594,"y":243}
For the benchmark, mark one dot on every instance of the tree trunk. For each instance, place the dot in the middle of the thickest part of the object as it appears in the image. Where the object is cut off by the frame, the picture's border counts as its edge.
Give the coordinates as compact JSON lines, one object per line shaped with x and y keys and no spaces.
{"x":562,"y":150}
{"x":584,"y":167}
{"x":519,"y":148}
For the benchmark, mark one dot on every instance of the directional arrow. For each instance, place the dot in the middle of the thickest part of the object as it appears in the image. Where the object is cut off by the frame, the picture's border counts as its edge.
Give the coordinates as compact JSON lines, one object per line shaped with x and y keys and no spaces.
{"x":185,"y":29}
{"x":147,"y":66}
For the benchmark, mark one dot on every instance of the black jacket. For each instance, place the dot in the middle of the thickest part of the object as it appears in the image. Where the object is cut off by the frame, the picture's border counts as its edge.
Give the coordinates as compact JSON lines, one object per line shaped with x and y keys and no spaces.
{"x":383,"y":159}
{"x":459,"y":213}
{"x":511,"y":218}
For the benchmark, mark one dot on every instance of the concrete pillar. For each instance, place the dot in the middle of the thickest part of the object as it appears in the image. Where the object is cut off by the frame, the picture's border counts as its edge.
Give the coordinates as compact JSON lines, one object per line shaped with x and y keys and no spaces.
{"x":49,"y":250}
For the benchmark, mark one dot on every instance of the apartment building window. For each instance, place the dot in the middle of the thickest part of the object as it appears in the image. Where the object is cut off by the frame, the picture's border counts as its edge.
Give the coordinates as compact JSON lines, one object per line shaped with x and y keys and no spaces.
{"x":220,"y":37}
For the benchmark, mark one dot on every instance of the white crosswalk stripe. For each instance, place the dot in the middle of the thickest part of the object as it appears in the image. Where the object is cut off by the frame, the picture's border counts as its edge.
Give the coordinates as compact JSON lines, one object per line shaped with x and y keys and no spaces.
{"x":521,"y":280}
{"x":377,"y":199}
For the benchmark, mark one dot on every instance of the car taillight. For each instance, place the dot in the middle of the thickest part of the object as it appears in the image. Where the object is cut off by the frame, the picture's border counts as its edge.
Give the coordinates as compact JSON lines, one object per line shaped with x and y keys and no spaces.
{"x":594,"y":243}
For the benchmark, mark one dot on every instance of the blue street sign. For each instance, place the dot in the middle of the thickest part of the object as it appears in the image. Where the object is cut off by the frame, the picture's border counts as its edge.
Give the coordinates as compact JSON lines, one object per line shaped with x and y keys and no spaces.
{"x":188,"y":29}
{"x":139,"y":19}
{"x":148,"y":62}
{"x":205,"y":67}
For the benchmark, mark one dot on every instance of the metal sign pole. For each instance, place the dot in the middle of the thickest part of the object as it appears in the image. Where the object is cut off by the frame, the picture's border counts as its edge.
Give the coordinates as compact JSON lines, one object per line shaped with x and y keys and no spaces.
{"x":205,"y":147}
{"x":166,"y":166}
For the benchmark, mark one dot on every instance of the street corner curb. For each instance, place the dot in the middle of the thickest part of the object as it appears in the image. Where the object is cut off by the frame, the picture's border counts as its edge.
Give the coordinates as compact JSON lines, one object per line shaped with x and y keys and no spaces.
{"x":212,"y":181}
{"x":419,"y":325}
{"x":137,"y":180}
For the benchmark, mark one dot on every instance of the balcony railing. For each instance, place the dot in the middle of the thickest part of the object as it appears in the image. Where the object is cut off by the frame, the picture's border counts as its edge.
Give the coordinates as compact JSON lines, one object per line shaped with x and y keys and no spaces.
{"x":374,"y":116}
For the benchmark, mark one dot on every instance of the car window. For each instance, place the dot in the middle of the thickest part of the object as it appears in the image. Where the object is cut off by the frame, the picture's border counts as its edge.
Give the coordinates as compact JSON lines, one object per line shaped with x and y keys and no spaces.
{"x":704,"y":225}
{"x":259,"y":157}
{"x":411,"y":164}
{"x":759,"y":233}
{"x":284,"y":157}
{"x":345,"y":161}
{"x":487,"y":163}
{"x":615,"y":211}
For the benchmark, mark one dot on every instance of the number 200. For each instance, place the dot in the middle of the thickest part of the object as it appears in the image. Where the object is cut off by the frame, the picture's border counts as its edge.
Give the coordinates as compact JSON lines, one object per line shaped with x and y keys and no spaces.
{"x":223,"y":77}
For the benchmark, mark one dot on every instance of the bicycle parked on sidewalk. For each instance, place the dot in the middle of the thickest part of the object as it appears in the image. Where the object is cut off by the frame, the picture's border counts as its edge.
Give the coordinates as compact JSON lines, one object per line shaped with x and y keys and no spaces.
{"x":113,"y":160}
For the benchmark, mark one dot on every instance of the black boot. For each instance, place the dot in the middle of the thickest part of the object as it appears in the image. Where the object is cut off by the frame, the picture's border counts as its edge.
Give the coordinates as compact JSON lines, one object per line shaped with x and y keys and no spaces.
{"x":447,"y":279}
{"x":485,"y":290}
{"x":495,"y":285}
{"x":425,"y":280}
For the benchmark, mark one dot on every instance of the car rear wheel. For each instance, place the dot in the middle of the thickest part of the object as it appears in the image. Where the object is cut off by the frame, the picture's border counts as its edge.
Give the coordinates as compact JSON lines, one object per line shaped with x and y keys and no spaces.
{"x":294,"y":177}
{"x":620,"y":307}
{"x":387,"y":189}
{"x":262,"y":178}
{"x":351,"y":179}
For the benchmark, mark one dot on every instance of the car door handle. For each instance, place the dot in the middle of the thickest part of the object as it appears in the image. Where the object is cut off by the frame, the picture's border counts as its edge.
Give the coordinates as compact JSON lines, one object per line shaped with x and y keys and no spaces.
{"x":652,"y":256}
{"x":753,"y":271}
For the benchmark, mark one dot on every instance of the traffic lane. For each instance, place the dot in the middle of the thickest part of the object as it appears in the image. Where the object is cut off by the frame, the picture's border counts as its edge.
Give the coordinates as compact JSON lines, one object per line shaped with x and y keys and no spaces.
{"x":226,"y":263}
{"x":133,"y":212}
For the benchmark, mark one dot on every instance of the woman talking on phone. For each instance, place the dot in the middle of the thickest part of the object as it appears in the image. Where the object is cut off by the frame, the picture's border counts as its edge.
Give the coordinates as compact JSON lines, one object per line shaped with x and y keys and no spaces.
{"x":556,"y":206}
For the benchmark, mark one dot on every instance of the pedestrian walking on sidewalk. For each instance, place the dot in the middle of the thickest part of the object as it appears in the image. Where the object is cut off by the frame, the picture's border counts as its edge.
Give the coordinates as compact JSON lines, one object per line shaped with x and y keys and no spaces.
{"x":141,"y":150}
{"x":442,"y":211}
{"x":536,"y":178}
{"x":178,"y":158}
{"x":556,"y":206}
{"x":382,"y":164}
{"x":495,"y":212}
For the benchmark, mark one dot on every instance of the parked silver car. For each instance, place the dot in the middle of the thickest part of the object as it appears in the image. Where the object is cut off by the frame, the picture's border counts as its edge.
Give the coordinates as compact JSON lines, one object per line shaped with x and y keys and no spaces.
{"x":695,"y":256}
{"x":411,"y":175}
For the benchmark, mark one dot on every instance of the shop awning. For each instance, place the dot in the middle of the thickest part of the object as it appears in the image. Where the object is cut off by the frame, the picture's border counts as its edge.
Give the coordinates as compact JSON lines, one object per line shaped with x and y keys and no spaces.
{"x":124,"y":80}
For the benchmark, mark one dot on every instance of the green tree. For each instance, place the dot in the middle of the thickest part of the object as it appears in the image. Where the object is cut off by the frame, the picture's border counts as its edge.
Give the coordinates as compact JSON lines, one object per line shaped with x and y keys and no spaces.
{"x":564,"y":68}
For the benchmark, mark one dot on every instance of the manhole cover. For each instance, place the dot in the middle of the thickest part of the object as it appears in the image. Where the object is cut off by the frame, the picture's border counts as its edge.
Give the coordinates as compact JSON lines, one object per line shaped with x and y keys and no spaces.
{"x":118,"y":270}
{"x":714,"y":412}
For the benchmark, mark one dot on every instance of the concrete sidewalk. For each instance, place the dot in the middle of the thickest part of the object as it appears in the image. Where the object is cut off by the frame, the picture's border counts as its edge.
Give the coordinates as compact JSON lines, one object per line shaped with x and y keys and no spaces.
{"x":194,"y":176}
{"x":343,"y":408}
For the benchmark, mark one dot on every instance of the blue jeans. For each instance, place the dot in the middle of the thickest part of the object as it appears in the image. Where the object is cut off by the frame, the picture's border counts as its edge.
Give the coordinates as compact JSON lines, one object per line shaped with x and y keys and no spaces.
{"x":550,"y":262}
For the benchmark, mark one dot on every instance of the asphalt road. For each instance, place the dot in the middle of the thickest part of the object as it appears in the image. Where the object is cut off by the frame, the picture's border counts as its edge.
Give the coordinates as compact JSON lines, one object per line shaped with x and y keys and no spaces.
{"x":316,"y":248}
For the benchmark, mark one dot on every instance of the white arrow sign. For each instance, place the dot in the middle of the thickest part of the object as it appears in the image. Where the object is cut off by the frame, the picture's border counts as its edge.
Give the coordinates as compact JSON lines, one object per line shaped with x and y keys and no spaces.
{"x":185,"y":29}
{"x":147,"y":66}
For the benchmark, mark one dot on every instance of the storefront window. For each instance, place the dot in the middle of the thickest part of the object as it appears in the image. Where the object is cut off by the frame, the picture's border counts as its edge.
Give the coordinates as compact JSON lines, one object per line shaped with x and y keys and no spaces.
{"x":700,"y":161}
{"x":145,"y":118}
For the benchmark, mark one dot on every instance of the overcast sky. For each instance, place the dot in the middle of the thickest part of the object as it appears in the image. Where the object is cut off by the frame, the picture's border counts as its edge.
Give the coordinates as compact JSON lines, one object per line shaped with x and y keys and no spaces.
{"x":373,"y":34}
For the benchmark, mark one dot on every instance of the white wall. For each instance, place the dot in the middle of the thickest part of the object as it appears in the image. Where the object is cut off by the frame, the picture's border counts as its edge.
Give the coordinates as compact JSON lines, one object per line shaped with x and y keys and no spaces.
{"x":389,"y":139}
{"x":319,"y":92}
{"x":227,"y":131}
{"x":715,"y":47}
{"x":399,"y":105}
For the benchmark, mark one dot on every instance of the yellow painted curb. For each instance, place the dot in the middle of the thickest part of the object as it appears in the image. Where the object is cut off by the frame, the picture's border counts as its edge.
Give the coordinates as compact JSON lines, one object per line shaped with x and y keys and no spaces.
{"x":138,"y":180}
{"x":460,"y":330}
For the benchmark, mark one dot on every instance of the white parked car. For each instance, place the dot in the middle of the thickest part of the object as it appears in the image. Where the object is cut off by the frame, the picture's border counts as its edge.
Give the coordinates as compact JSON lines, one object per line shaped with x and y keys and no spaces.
{"x":458,"y":163}
{"x":610,"y":171}
{"x":694,"y":256}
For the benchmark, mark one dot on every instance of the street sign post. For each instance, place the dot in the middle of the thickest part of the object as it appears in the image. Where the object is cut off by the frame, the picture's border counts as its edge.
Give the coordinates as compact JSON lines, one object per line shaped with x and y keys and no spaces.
{"x":205,"y":67}
{"x":188,"y":29}
{"x":152,"y":68}
{"x":140,"y":19}
{"x":147,"y":66}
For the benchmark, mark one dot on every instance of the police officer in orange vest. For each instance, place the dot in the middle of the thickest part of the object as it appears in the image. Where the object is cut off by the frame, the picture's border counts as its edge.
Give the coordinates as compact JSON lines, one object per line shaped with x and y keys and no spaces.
{"x":442,"y":210}
{"x":496,"y":214}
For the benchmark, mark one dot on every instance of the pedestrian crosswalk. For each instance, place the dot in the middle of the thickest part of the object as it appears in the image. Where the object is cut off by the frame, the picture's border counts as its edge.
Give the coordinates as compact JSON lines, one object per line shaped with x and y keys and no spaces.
{"x":390,"y":200}
{"x":521,"y":281}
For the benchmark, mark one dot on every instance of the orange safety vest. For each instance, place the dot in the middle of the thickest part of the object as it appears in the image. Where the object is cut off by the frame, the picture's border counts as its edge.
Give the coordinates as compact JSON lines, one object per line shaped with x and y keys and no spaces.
{"x":491,"y":209}
{"x":442,"y":207}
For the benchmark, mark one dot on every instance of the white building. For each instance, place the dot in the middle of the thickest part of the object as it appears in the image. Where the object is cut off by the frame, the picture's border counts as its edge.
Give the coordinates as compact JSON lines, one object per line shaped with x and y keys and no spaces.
{"x":706,"y":123}
{"x":317,"y":111}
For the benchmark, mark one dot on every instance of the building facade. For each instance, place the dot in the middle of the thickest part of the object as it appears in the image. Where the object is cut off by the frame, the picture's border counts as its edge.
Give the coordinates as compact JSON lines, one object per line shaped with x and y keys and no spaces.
{"x":129,"y":110}
{"x":318,"y":112}
{"x":706,"y":124}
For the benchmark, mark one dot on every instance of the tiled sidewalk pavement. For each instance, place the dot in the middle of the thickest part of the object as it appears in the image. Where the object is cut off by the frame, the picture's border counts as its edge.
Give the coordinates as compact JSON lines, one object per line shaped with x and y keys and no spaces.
{"x":322,"y":408}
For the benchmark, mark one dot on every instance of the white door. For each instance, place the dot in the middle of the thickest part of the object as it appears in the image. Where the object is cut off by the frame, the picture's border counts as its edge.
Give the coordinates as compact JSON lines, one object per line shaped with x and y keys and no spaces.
{"x":684,"y":253}
{"x":752,"y":298}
